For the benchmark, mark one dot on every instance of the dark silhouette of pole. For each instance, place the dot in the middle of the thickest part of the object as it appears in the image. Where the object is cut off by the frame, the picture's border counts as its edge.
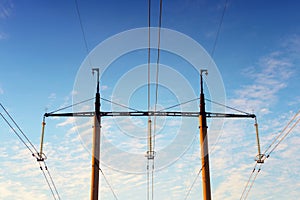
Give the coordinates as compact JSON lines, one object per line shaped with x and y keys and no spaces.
{"x":204,"y":144}
{"x":96,"y":145}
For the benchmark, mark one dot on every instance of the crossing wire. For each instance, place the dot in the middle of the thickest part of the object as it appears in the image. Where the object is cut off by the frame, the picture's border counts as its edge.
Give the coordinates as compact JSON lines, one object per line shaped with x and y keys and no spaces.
{"x":156,"y":92}
{"x":19,"y":130}
{"x":31,"y":150}
{"x":48,"y":183}
{"x":219,"y":28}
{"x":235,"y":109}
{"x":281,"y":133}
{"x":121,"y":105}
{"x":191,"y":187}
{"x":252,"y":182}
{"x":277,"y":141}
{"x":82,"y":31}
{"x":249,"y":179}
{"x":17,"y":134}
{"x":51,"y":179}
{"x":148,"y":86}
{"x":72,"y":105}
{"x":180,"y":104}
{"x":109,"y":185}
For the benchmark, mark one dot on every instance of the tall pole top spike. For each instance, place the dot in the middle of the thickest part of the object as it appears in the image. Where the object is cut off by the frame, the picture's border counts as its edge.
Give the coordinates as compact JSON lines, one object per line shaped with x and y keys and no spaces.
{"x":201,"y":81}
{"x":98,"y":77}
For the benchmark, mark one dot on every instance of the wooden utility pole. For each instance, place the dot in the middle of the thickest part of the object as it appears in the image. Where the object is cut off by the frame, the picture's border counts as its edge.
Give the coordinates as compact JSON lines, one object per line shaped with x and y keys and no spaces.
{"x":96,"y":145}
{"x":204,"y":144}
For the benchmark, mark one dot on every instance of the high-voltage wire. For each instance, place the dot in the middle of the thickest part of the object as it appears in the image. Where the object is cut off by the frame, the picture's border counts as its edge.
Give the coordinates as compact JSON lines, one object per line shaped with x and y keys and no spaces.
{"x":32,"y":149}
{"x":72,"y":105}
{"x":179,"y":104}
{"x":18,"y":127}
{"x":252,"y":182}
{"x":278,"y":139}
{"x":82,"y":30}
{"x":48,"y":183}
{"x":190,"y":189}
{"x":219,"y":28}
{"x":149,"y":79}
{"x":283,"y":133}
{"x":249,"y":179}
{"x":51,"y":179}
{"x":17,"y":134}
{"x":156,"y":92}
{"x":231,"y":108}
{"x":109,"y":185}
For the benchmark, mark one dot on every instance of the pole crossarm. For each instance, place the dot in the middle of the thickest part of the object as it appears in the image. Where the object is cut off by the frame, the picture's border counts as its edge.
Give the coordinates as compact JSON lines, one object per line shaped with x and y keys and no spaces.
{"x":76,"y":114}
{"x":150,"y":113}
{"x":228,"y":115}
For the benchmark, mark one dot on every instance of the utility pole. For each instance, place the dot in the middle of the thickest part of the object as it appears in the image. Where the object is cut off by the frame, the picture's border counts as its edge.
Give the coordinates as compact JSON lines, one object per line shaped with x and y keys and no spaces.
{"x":204,"y":144}
{"x":202,"y":115}
{"x":96,"y":144}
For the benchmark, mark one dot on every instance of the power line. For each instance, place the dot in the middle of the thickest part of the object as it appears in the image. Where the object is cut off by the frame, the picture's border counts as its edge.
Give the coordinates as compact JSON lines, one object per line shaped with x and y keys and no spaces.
{"x":148,"y":88}
{"x":118,"y":104}
{"x":252,"y":182}
{"x":21,"y":139}
{"x":32,"y":149}
{"x":281,"y":133}
{"x":285,"y":135}
{"x":48,"y":183}
{"x":72,"y":105}
{"x":235,"y":109}
{"x":18,"y":129}
{"x":157,"y":69}
{"x":82,"y":30}
{"x":52,"y":181}
{"x":109,"y":185}
{"x":246,"y":186}
{"x":180,"y":104}
{"x":156,"y":92}
{"x":191,"y":187}
{"x":219,"y":28}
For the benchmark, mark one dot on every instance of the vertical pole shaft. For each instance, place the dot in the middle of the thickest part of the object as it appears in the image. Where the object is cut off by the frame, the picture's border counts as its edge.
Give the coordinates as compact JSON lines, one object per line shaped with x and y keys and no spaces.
{"x":258,"y":143}
{"x":204,"y":146}
{"x":96,"y":147}
{"x":42,"y":140}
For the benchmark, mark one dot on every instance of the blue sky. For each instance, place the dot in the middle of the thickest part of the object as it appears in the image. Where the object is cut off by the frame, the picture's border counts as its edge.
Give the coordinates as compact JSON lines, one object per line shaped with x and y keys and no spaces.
{"x":257,"y":55}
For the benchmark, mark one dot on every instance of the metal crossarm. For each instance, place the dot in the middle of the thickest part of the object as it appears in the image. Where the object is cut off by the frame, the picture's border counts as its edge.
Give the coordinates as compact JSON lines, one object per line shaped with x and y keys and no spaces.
{"x":150,"y":113}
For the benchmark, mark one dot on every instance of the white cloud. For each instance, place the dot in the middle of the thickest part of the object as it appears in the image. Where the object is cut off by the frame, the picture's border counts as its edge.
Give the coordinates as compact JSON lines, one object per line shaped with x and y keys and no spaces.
{"x":52,"y":96}
{"x":68,"y":121}
{"x":269,"y":78}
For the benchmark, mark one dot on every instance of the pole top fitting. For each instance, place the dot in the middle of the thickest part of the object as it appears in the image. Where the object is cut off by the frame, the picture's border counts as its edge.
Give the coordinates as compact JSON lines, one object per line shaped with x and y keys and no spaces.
{"x":205,"y":71}
{"x":96,"y":70}
{"x":98,"y":75}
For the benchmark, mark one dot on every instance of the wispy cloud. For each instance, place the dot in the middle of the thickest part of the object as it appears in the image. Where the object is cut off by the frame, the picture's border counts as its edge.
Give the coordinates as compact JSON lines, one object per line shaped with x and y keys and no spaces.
{"x":3,"y":36}
{"x":6,"y":7}
{"x":269,"y":77}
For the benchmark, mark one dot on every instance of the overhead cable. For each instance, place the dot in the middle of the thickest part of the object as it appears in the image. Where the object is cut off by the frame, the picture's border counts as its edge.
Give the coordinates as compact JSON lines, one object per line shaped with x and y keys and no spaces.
{"x":109,"y":185}
{"x":149,"y":90}
{"x":51,"y":179}
{"x":18,"y":127}
{"x":72,"y":105}
{"x":249,"y":179}
{"x":192,"y":185}
{"x":219,"y":28}
{"x":48,"y":183}
{"x":252,"y":182}
{"x":282,"y":133}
